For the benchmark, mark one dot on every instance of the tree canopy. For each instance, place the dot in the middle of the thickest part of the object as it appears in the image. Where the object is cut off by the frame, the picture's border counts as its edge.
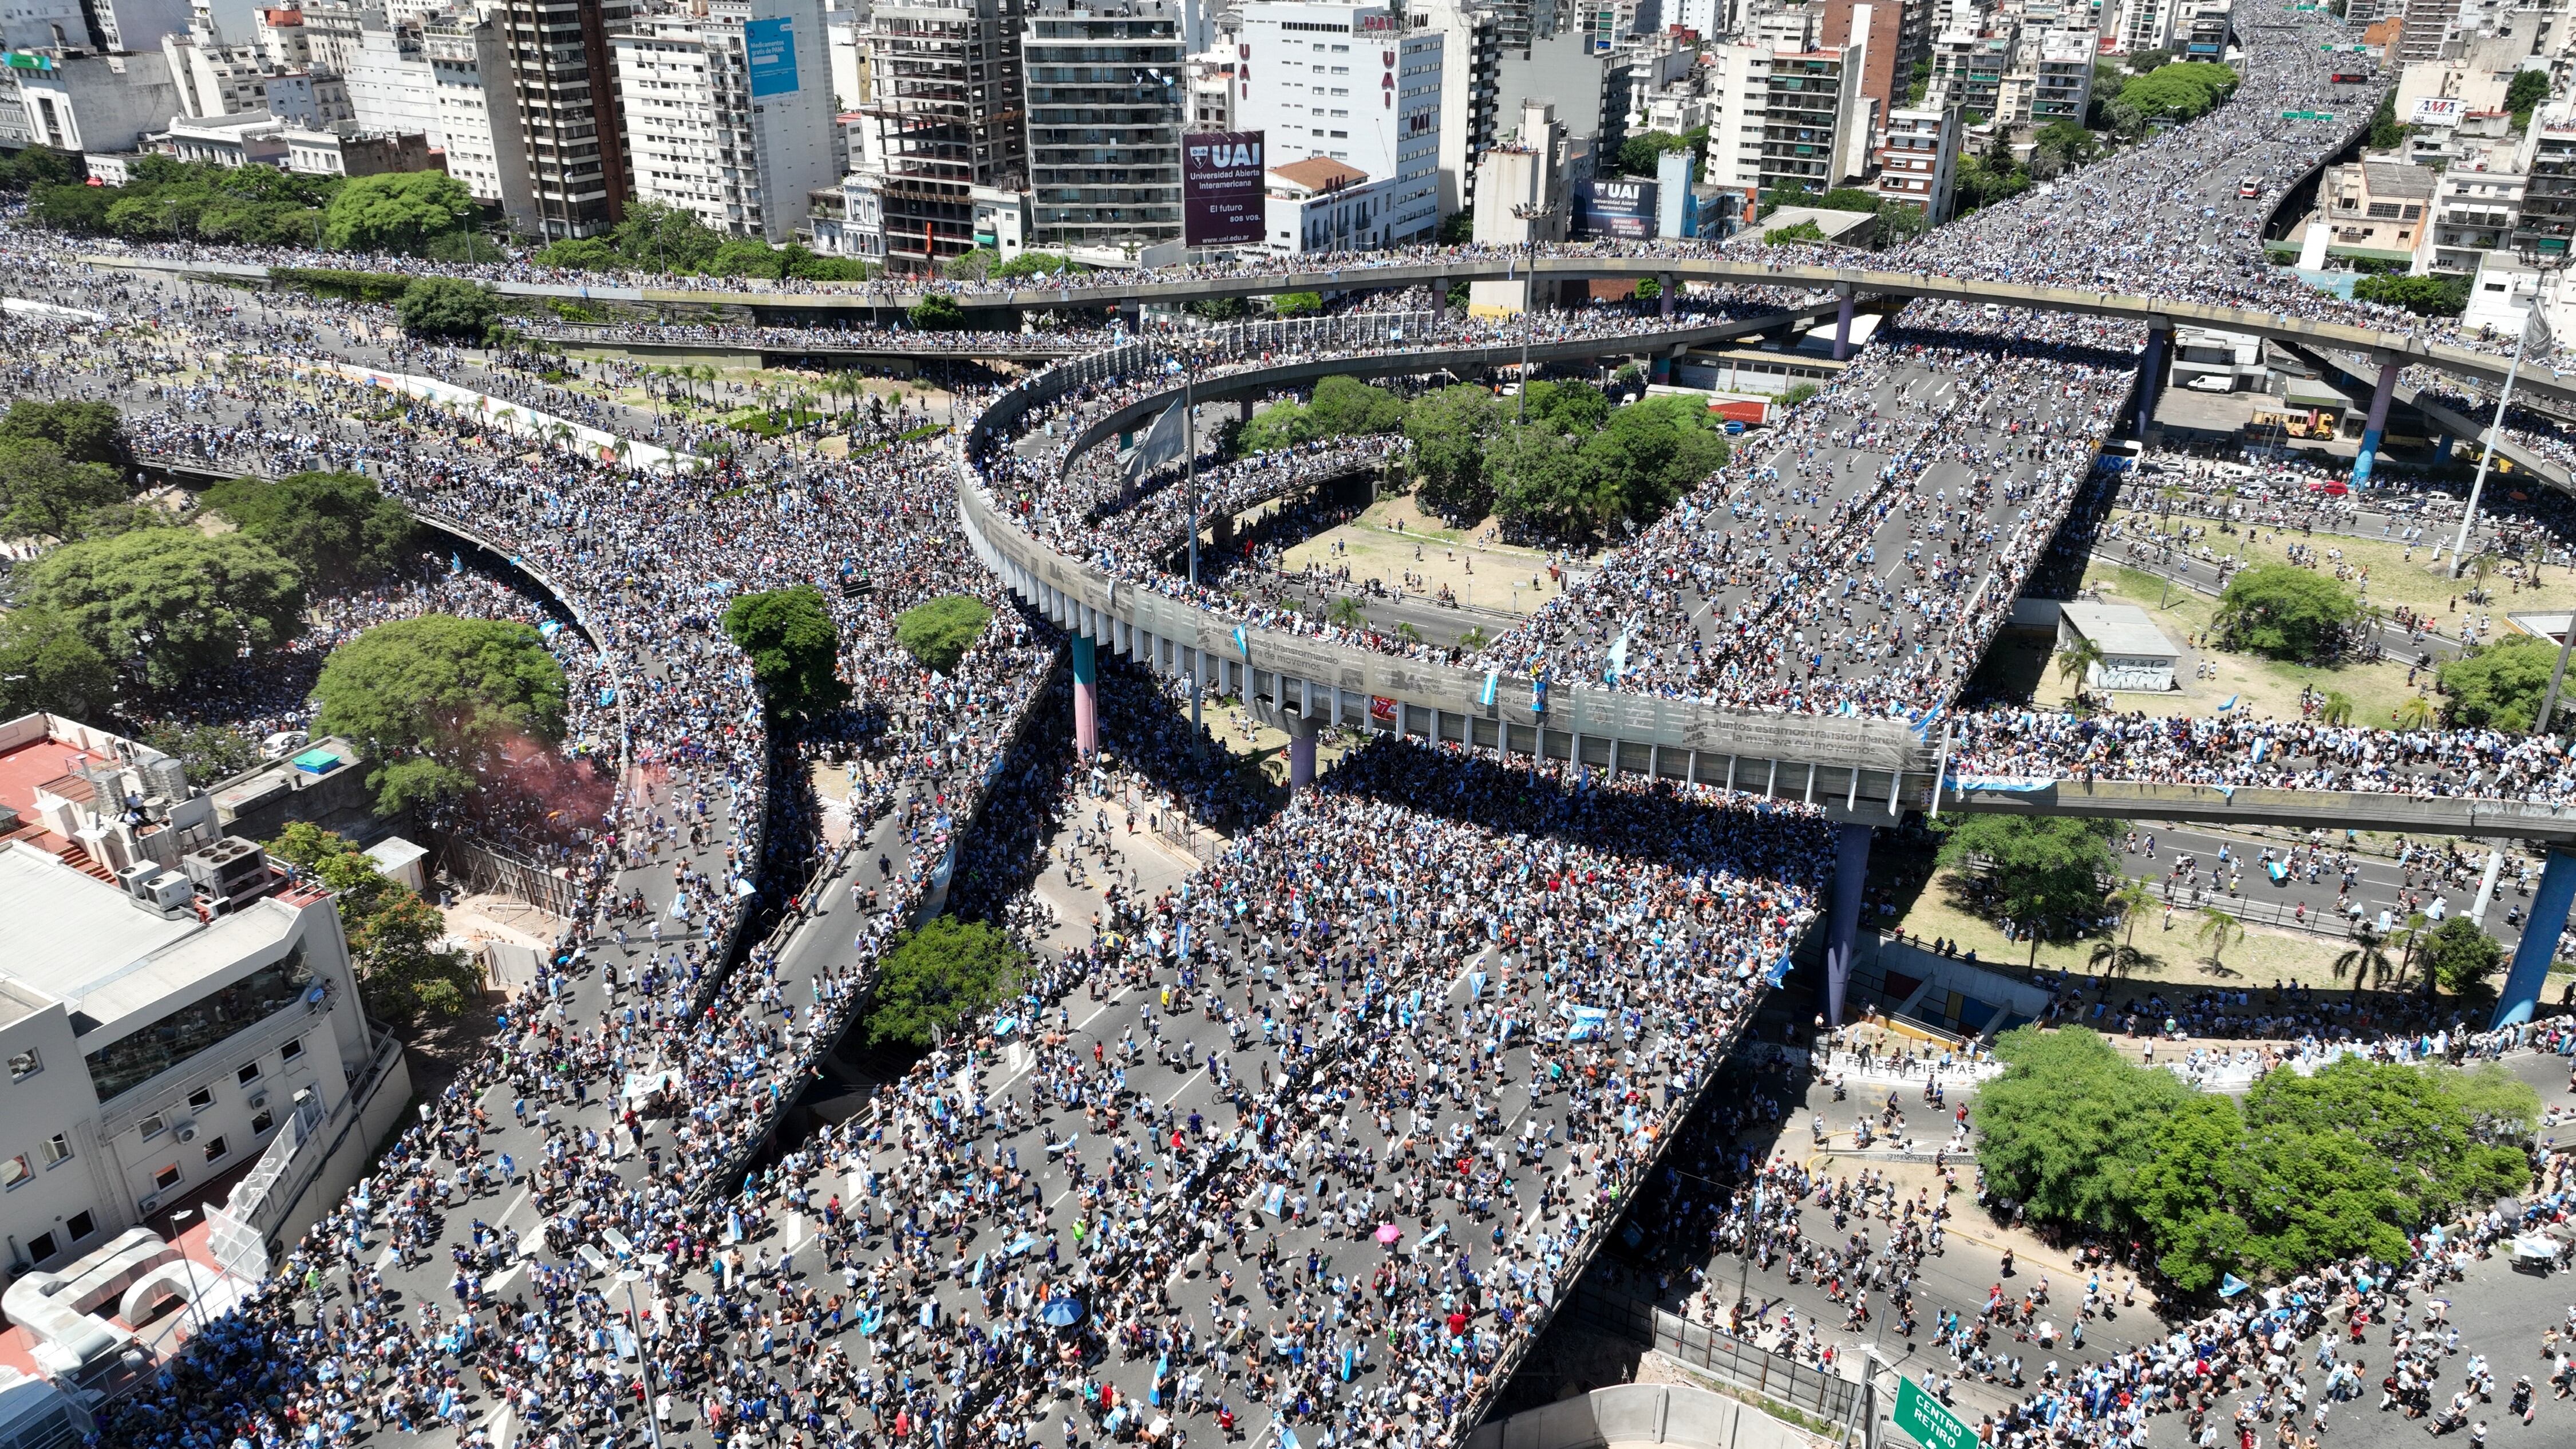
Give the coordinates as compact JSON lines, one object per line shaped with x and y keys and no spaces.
{"x":2423,"y":296}
{"x":448,"y":307}
{"x":336,"y":528}
{"x":2459,"y":956}
{"x":937,"y":312}
{"x":795,"y":648}
{"x":402,"y":974}
{"x":2181,"y":91}
{"x":2283,"y":611}
{"x":653,"y":237}
{"x":45,"y":664}
{"x":175,"y":599}
{"x":397,"y":211}
{"x":86,"y":432}
{"x":2499,"y":684}
{"x":2049,"y":873}
{"x":939,"y":978}
{"x":2311,"y":1168}
{"x":432,"y":702}
{"x":44,"y":494}
{"x":1450,"y":429}
{"x":937,"y":634}
{"x":1342,"y":407}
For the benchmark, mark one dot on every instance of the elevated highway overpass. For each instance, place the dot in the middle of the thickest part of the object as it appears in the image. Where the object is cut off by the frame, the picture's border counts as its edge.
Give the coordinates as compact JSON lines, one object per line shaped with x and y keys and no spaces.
{"x":2159,"y":313}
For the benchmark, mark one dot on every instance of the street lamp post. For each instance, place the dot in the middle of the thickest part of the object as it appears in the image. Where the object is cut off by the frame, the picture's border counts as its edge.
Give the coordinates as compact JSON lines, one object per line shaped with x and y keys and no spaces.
{"x":643,"y":1359}
{"x":2532,"y":322}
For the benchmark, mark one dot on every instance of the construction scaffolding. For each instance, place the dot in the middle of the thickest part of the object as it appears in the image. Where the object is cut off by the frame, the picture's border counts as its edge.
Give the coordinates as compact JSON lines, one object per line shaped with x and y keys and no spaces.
{"x":946,"y":117}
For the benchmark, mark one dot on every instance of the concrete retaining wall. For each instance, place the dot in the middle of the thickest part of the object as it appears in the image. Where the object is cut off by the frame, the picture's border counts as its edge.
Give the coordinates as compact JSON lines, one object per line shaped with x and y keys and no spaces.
{"x":1641,"y":1414}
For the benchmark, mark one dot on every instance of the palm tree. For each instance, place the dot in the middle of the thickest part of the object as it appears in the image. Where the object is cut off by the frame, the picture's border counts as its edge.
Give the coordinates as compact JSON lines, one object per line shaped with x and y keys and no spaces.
{"x":2219,"y":932}
{"x":2337,"y":709}
{"x":2413,"y":713}
{"x":2077,"y":659}
{"x":2368,"y":957}
{"x":1408,"y":633}
{"x":1346,"y":613}
{"x":1473,"y":641}
{"x":2409,"y":936}
{"x":2132,"y":900}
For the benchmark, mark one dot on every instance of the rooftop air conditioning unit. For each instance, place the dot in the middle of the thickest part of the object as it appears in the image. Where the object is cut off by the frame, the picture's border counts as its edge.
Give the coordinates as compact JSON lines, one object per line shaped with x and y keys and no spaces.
{"x":187,"y":1131}
{"x":258,"y":1100}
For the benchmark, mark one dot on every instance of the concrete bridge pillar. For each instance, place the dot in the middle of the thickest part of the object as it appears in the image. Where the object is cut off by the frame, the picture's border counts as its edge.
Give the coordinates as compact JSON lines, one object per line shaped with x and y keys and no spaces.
{"x":1664,"y":294}
{"x":1842,"y":326}
{"x":2539,"y":938}
{"x":2375,"y":425}
{"x":1301,"y":751}
{"x":1086,"y":697}
{"x":1842,"y":927}
{"x":2151,"y":374}
{"x":1440,"y":299}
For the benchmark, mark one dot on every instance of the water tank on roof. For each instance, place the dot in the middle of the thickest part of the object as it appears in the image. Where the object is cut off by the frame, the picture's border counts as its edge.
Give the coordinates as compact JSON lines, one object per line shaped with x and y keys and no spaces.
{"x":165,"y":777}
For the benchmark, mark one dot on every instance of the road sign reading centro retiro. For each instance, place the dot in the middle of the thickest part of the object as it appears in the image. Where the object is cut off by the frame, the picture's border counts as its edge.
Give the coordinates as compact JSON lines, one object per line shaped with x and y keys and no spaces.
{"x":1933,"y":1427}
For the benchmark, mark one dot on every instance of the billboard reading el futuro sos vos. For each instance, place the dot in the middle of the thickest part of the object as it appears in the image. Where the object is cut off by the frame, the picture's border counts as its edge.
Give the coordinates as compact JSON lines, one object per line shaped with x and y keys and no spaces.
{"x":1223,"y":200}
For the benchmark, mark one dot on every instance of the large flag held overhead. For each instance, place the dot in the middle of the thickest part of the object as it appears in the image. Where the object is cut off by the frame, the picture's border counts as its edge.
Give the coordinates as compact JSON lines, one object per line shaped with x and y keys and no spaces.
{"x":1160,"y":445}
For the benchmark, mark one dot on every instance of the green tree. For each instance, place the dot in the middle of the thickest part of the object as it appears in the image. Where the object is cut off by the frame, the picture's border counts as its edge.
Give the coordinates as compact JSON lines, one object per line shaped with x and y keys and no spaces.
{"x":658,"y":238}
{"x":941,"y":978}
{"x":2423,"y":296}
{"x":336,"y":528}
{"x":208,"y":752}
{"x":1297,"y":304}
{"x":41,"y":166}
{"x":398,"y":211}
{"x":175,"y":599}
{"x":2282,"y":611}
{"x":2067,"y":144}
{"x":2077,"y":659}
{"x":402,"y":974}
{"x":1652,"y":451}
{"x":1346,"y":613}
{"x":1643,"y":152}
{"x":2218,"y":931}
{"x":46,"y":665}
{"x":1450,"y":429}
{"x":2459,"y":956}
{"x":2499,"y":684}
{"x":937,"y":634}
{"x":2524,"y":93}
{"x":2179,"y":92}
{"x":71,"y":206}
{"x":2187,"y":1189}
{"x":744,"y":257}
{"x":582,"y":254}
{"x":795,"y":648}
{"x":1346,"y":407}
{"x":447,"y":307}
{"x":1793,"y":234}
{"x":86,"y":432}
{"x":1574,"y":407}
{"x":1540,"y":479}
{"x":434,"y":702}
{"x":2045,"y":872}
{"x":2063,"y":1127}
{"x":936,"y":312}
{"x":45,"y":495}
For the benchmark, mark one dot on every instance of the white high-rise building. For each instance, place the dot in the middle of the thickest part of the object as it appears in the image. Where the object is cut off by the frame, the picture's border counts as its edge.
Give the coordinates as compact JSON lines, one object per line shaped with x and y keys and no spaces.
{"x":465,"y":53}
{"x":1470,"y":68}
{"x":1739,"y":84}
{"x":1349,"y":83}
{"x":390,"y":86}
{"x":729,"y":114}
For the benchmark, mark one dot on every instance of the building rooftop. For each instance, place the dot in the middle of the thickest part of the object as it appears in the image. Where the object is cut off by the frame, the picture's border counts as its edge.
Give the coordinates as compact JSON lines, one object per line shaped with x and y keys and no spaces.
{"x":68,"y":934}
{"x":42,"y":761}
{"x":2120,"y":629}
{"x":1320,"y":173}
{"x":2397,"y":181}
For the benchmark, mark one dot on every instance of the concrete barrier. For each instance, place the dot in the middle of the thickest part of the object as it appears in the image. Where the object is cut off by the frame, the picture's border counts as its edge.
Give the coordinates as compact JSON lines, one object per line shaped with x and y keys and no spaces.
{"x":1641,"y":1414}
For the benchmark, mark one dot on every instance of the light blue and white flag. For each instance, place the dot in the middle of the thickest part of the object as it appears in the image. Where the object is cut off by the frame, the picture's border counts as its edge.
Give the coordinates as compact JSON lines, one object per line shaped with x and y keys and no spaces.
{"x":1493,"y":677}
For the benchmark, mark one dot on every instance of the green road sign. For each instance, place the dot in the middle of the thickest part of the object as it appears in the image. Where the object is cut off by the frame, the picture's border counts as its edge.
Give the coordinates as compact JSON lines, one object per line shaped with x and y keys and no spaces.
{"x":1932,"y":1426}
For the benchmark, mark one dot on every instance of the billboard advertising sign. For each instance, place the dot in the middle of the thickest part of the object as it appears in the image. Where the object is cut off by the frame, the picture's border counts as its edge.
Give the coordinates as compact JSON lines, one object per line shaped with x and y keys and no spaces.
{"x":1620,"y":210}
{"x":1223,"y":200}
{"x":2438,"y":110}
{"x":771,"y":47}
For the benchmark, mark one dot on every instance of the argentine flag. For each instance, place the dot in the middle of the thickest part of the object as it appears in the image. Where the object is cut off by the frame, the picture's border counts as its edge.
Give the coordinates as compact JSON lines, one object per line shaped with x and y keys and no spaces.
{"x":2222,"y":709}
{"x":1618,"y":658}
{"x":1243,"y":643}
{"x":1492,"y":677}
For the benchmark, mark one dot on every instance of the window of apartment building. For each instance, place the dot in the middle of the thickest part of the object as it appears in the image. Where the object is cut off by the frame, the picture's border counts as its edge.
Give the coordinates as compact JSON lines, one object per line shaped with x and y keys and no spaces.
{"x":13,"y":1171}
{"x":166,"y":1179}
{"x":152,"y":1126}
{"x":261,"y":1121}
{"x":41,"y":1246}
{"x":249,"y":1072}
{"x":80,"y":1225}
{"x":216,"y":1149}
{"x":200,"y":1099}
{"x":57,"y":1150}
{"x":25,"y":1064}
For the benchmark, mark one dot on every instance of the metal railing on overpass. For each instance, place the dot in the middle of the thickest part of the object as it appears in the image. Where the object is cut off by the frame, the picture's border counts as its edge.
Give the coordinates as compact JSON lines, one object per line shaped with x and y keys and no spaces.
{"x":1440,"y":272}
